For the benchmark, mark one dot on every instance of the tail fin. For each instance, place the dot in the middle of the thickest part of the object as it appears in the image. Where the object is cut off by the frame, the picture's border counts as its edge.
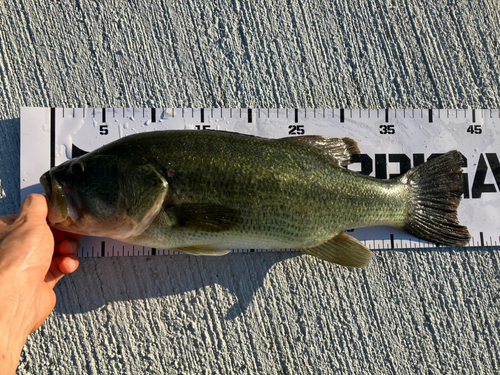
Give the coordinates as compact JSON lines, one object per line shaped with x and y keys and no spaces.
{"x":435,"y":193}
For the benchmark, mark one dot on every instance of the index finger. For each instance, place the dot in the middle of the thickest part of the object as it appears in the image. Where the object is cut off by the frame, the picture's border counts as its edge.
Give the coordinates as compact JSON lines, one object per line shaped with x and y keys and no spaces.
{"x":5,"y":224}
{"x":9,"y":219}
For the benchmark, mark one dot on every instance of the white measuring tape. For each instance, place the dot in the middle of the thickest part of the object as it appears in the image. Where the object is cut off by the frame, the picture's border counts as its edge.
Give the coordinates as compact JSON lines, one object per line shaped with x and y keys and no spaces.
{"x":391,"y":142}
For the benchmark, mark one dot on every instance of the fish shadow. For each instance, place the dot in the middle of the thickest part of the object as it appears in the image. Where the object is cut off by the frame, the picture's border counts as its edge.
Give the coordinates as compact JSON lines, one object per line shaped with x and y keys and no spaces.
{"x":99,"y":281}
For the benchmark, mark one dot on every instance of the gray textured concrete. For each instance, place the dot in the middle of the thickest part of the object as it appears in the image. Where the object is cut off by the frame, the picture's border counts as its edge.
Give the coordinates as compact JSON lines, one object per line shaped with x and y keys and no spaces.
{"x":421,"y":311}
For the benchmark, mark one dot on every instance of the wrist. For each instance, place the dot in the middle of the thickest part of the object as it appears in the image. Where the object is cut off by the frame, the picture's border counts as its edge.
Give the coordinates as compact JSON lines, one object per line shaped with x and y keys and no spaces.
{"x":13,"y":327}
{"x":12,"y":340}
{"x":10,"y":350}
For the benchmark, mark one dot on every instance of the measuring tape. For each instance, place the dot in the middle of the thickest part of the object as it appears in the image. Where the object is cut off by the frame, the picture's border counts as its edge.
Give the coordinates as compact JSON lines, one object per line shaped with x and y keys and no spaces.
{"x":391,"y":142}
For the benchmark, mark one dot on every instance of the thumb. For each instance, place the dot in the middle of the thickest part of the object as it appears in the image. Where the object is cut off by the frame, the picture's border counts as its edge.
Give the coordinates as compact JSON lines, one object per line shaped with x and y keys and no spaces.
{"x":33,"y":208}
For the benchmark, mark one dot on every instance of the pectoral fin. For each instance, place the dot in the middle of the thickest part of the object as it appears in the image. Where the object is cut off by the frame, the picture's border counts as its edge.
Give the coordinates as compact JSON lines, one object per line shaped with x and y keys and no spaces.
{"x":342,"y":249}
{"x":202,"y":250}
{"x":204,"y":217}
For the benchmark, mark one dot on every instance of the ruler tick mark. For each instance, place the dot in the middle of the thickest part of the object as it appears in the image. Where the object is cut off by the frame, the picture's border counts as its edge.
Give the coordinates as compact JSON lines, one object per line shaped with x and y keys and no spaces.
{"x":52,"y":137}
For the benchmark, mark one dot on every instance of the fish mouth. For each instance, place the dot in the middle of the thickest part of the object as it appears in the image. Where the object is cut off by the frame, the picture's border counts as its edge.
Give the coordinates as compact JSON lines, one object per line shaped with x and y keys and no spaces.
{"x":56,"y":199}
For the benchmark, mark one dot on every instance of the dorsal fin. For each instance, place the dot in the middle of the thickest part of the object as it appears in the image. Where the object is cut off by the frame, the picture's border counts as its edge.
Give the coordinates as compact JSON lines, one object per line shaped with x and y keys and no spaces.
{"x":339,"y":149}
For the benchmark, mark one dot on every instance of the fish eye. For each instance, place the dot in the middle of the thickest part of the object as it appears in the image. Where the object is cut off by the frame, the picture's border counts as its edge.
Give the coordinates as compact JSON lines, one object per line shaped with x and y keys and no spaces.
{"x":77,"y":168}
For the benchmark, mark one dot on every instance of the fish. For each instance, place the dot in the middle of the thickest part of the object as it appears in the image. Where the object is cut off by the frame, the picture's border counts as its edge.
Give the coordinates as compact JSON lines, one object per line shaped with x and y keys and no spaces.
{"x":203,"y":192}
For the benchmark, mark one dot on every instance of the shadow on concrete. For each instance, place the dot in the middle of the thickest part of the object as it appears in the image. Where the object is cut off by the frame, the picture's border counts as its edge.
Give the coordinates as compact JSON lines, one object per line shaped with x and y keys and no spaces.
{"x":99,"y":281}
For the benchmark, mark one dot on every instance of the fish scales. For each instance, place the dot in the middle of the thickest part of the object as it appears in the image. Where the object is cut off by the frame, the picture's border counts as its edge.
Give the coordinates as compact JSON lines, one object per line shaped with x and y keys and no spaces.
{"x":288,"y":194}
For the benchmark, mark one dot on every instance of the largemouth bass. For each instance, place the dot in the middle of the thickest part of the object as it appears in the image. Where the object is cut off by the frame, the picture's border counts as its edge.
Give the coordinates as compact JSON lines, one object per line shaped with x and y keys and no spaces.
{"x":204,"y":192}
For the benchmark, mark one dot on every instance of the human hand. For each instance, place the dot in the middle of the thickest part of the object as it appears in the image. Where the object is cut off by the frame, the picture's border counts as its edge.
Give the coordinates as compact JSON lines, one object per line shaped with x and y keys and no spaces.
{"x":33,"y":258}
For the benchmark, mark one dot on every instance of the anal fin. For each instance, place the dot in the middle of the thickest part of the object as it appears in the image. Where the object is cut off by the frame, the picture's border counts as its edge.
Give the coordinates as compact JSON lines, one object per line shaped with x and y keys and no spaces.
{"x":202,"y":250}
{"x":342,"y":249}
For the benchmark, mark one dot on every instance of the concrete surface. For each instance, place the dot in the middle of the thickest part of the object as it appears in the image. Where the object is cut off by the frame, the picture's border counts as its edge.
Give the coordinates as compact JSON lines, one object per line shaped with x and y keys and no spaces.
{"x":422,"y":311}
